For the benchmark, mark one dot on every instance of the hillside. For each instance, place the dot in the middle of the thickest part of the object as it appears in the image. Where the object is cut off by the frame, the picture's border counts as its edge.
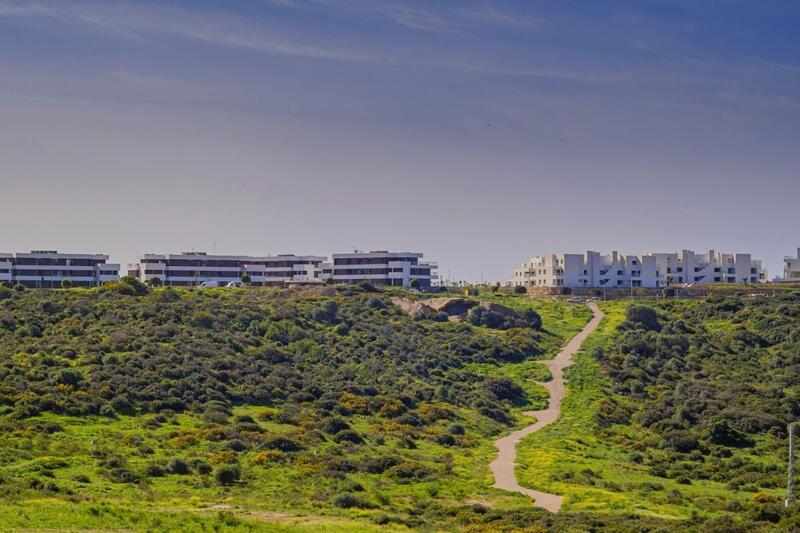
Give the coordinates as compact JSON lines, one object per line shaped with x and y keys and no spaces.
{"x":123,"y":407}
{"x":334,"y":409}
{"x":679,"y":410}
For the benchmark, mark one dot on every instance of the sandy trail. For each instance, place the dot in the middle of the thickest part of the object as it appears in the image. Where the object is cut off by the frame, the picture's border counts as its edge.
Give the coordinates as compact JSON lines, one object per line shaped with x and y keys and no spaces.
{"x":503,"y":467}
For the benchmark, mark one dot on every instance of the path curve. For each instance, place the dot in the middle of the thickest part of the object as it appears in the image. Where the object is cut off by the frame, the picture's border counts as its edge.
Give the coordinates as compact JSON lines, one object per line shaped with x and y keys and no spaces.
{"x":503,"y":467}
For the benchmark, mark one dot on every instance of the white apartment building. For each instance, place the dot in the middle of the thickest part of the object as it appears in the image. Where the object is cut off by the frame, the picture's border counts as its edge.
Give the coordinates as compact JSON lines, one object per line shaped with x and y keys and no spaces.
{"x":47,"y":269}
{"x":194,"y":268}
{"x":381,"y":267}
{"x":650,"y":270}
{"x":791,"y":267}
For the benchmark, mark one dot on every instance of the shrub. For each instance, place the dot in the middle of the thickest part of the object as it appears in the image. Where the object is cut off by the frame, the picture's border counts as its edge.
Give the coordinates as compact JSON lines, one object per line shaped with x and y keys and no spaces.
{"x":154,"y":281}
{"x":70,"y":376}
{"x":646,"y":317}
{"x":333,"y":425}
{"x":19,"y":287}
{"x":456,"y":429}
{"x":200,"y":466}
{"x":227,"y":474}
{"x":283,"y":444}
{"x":376,"y":303}
{"x":129,"y":283}
{"x":154,"y":470}
{"x":177,"y":466}
{"x":519,"y":289}
{"x":66,"y":284}
{"x":348,"y":435}
{"x":347,"y":500}
{"x":202,"y":320}
{"x":326,"y":312}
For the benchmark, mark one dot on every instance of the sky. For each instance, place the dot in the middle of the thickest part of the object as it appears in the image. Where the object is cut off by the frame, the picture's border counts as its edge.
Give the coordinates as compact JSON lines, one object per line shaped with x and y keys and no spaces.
{"x":478,"y":132}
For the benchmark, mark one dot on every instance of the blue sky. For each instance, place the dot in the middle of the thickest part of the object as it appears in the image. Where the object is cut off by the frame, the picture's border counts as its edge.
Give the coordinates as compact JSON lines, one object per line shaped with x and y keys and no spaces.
{"x":479,"y":132}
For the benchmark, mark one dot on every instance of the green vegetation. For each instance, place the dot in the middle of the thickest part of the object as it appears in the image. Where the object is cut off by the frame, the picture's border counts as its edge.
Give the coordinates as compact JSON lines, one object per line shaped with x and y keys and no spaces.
{"x":679,"y":411}
{"x":330,"y":409}
{"x":129,"y":407}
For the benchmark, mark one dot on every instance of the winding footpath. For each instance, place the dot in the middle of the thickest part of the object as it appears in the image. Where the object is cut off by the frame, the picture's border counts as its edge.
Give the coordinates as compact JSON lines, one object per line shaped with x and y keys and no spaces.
{"x":503,"y":467}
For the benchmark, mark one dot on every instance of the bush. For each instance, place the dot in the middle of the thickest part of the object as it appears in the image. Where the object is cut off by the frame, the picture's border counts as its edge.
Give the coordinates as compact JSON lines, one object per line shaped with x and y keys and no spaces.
{"x":347,"y":500}
{"x":348,"y":435}
{"x":326,"y":312}
{"x":19,"y":287}
{"x":283,"y":444}
{"x":154,"y":470}
{"x":456,"y":429}
{"x":376,"y":303}
{"x":200,"y":466}
{"x":139,"y":288}
{"x":154,"y":281}
{"x":70,"y":376}
{"x":177,"y":466}
{"x":333,"y":425}
{"x":227,"y":474}
{"x":646,"y":317}
{"x":66,"y":284}
{"x":519,"y":289}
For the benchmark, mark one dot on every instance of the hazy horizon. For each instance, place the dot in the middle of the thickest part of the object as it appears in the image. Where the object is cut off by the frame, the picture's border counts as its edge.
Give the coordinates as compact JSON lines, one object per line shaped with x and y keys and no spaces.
{"x":479,"y":133}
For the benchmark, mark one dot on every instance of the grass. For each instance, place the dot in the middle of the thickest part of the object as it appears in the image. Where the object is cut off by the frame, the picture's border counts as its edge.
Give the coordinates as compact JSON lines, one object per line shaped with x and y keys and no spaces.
{"x":54,"y":514}
{"x":49,"y":480}
{"x":592,"y":467}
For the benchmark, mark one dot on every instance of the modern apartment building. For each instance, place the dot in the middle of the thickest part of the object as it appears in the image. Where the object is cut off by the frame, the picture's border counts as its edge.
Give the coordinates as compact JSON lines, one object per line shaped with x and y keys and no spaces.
{"x":47,"y":269}
{"x":194,"y":268}
{"x":650,"y":270}
{"x":791,"y":267}
{"x":395,"y":269}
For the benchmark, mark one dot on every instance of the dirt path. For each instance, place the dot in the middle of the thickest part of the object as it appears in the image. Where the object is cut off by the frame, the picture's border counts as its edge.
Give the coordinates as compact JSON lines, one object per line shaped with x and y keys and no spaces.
{"x":503,"y":467}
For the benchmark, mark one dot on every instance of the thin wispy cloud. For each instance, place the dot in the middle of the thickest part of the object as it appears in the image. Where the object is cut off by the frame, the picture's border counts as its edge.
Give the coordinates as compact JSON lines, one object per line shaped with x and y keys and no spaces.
{"x":226,"y":30}
{"x":459,"y":17}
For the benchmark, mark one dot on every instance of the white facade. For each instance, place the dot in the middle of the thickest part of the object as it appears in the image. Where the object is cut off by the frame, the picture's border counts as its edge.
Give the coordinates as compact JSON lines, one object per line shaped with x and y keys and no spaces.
{"x":650,"y":270}
{"x":791,"y":267}
{"x":193,"y":268}
{"x":47,"y":269}
{"x":396,"y":269}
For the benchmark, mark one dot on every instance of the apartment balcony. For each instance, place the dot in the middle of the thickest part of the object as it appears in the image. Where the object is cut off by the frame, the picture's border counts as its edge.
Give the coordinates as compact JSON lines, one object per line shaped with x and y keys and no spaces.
{"x":171,"y":268}
{"x":57,"y":279}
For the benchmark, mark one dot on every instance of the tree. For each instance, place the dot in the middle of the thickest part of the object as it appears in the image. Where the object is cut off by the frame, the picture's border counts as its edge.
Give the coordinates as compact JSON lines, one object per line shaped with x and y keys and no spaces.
{"x":245,"y":278}
{"x":66,"y":283}
{"x":414,"y":283}
{"x":130,"y":283}
{"x":154,"y":281}
{"x":329,"y":280}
